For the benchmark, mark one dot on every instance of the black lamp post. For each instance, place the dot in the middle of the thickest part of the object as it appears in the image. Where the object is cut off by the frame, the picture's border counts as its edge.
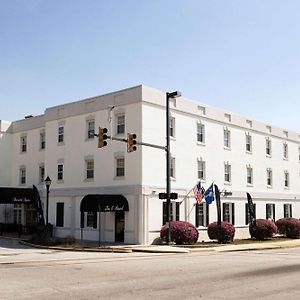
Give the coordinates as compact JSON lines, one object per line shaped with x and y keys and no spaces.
{"x":168,"y":97}
{"x":47,"y":183}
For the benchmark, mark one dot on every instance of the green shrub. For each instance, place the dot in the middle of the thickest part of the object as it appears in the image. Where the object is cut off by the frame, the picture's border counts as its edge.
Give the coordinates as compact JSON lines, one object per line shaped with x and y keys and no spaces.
{"x":264,"y":229}
{"x":223,"y":234}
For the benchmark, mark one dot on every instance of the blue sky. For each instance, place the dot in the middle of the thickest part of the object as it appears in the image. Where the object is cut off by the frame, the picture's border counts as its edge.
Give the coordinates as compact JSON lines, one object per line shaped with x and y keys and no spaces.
{"x":241,"y":55}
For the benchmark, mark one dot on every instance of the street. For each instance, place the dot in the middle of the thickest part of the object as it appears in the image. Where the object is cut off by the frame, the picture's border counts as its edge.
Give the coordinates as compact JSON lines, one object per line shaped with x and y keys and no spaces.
{"x":28,"y":273}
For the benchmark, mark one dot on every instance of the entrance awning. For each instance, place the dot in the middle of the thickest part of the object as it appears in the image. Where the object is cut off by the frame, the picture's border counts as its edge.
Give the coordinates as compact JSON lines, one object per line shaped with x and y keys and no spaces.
{"x":16,"y":195}
{"x":104,"y":203}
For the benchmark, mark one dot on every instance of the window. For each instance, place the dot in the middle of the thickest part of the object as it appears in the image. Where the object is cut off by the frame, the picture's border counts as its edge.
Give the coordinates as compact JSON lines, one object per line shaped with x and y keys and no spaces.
{"x":227,"y":172}
{"x":248,"y":142}
{"x":22,"y":175}
{"x":61,"y":130}
{"x":247,"y":214}
{"x":228,"y":212}
{"x":17,"y":213}
{"x":268,"y":147}
{"x":200,"y":133}
{"x":174,"y":212}
{"x":270,"y":211}
{"x":202,"y":214}
{"x":287,"y":210}
{"x":89,"y":165}
{"x":285,"y":151}
{"x":120,"y":167}
{"x":201,"y":169}
{"x":249,"y":175}
{"x":41,"y":173}
{"x":172,"y":127}
{"x":23,"y":143}
{"x":60,"y":214}
{"x":269,"y":177}
{"x":60,"y":171}
{"x":91,"y":219}
{"x":226,"y":138}
{"x":42,"y":140}
{"x":90,"y":125}
{"x":172,"y":167}
{"x":286,"y":179}
{"x":120,"y":124}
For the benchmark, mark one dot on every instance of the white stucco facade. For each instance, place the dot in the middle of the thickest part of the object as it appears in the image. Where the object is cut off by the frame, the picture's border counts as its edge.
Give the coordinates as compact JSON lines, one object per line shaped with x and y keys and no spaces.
{"x":141,"y":110}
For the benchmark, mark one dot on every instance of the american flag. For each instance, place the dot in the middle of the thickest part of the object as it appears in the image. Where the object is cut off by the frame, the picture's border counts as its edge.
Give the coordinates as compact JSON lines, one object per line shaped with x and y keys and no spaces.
{"x":198,"y":192}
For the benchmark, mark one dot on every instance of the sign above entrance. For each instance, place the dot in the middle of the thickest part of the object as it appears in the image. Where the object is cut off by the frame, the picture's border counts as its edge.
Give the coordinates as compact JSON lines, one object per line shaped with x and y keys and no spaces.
{"x":21,"y":200}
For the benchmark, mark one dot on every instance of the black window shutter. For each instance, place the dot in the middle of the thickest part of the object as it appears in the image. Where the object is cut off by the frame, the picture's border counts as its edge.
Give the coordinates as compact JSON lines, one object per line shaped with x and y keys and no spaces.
{"x":177,"y":211}
{"x":207,"y":214}
{"x":164,"y":213}
{"x":95,"y":219}
{"x":81,"y":219}
{"x":224,"y":208}
{"x":232,"y":212}
{"x":197,"y":215}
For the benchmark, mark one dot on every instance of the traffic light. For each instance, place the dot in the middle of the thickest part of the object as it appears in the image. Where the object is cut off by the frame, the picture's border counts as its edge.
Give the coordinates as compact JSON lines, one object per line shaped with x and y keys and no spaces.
{"x":102,"y":137}
{"x":131,"y":142}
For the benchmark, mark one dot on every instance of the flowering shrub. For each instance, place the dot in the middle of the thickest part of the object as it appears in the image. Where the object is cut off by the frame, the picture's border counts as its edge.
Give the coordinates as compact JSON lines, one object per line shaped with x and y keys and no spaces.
{"x":290,"y":227}
{"x":264,"y":229}
{"x":224,"y":233}
{"x":181,"y":233}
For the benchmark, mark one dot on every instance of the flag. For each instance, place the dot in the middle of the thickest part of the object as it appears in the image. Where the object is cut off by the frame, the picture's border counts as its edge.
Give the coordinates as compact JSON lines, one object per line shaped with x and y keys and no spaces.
{"x":209,"y":194}
{"x":198,"y":192}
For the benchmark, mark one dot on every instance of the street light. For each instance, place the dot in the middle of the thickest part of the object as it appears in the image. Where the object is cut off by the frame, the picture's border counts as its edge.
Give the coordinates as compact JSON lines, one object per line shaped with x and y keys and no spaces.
{"x":168,"y":190}
{"x":47,"y":183}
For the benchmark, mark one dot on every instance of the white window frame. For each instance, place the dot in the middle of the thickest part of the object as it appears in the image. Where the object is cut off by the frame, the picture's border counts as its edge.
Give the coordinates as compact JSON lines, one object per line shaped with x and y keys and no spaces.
{"x":287,"y":210}
{"x":41,"y":173}
{"x":172,"y":127}
{"x":227,"y":173}
{"x":120,"y":167}
{"x":90,"y":128}
{"x":228,"y":212}
{"x":286,"y":179}
{"x":269,"y":177}
{"x":248,"y":143}
{"x":285,"y":151}
{"x":89,"y":169}
{"x":60,"y":171}
{"x":23,"y":143}
{"x":249,"y":175}
{"x":120,"y":124}
{"x":172,"y":167}
{"x":42,"y":140}
{"x":22,"y":174}
{"x":270,"y":211}
{"x":200,"y":133}
{"x":201,"y":168}
{"x":227,"y":141}
{"x":201,"y":214}
{"x":61,"y":134}
{"x":268,"y":147}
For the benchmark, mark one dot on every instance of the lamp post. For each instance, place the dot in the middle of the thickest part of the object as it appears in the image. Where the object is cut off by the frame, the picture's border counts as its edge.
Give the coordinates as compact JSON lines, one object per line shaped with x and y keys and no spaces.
{"x":168,"y":163}
{"x":47,"y":183}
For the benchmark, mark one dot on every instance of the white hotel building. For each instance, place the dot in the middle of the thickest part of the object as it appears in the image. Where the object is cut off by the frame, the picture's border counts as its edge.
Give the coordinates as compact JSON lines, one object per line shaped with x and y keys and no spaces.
{"x":240,"y":155}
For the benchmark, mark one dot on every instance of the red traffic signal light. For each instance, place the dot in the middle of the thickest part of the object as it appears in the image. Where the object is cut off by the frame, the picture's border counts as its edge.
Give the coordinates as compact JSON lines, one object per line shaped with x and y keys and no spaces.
{"x":131,"y":142}
{"x":102,"y":137}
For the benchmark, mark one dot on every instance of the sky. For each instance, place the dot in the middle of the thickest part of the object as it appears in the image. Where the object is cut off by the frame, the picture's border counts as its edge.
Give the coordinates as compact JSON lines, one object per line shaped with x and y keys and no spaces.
{"x":239,"y":55}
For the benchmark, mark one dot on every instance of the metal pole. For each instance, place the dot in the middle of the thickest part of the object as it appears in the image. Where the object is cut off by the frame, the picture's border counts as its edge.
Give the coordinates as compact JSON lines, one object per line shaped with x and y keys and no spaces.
{"x":168,"y":179}
{"x":47,"y":203}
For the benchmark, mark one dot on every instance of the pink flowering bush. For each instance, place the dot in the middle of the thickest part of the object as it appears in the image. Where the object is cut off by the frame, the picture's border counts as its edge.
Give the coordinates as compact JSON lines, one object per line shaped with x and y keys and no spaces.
{"x":181,"y":233}
{"x":290,"y":227}
{"x":264,"y":229}
{"x":223,"y":234}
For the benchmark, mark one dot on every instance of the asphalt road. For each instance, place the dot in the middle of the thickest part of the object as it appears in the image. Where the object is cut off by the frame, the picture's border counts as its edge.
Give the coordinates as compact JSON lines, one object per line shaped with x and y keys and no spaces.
{"x":27,"y":273}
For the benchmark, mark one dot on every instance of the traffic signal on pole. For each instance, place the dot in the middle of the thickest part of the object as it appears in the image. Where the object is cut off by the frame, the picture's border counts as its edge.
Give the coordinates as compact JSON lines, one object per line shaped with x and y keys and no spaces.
{"x":131,"y":142}
{"x":102,"y":137}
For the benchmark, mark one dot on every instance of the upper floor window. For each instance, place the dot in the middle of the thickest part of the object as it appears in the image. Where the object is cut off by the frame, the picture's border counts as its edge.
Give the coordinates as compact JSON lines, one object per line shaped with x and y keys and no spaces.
{"x":228,"y":212}
{"x":201,"y":169}
{"x":172,"y":127}
{"x":41,"y":173}
{"x":268,"y":147}
{"x":23,"y":143}
{"x":22,"y":175}
{"x":120,"y":119}
{"x":172,"y":167}
{"x":287,"y":210}
{"x":89,"y":169}
{"x":61,"y":131}
{"x":120,"y":167}
{"x":248,"y":142}
{"x":60,"y":171}
{"x":269,"y":177}
{"x":285,"y":151}
{"x":226,"y":138}
{"x":227,"y":172}
{"x":249,"y":175}
{"x":200,"y":133}
{"x":90,"y":126}
{"x":286,"y":179}
{"x":42,"y":139}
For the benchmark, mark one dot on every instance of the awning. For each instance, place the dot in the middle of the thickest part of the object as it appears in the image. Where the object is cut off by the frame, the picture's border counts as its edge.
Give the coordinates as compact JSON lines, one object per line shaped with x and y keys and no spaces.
{"x":16,"y":195}
{"x":105,"y":203}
